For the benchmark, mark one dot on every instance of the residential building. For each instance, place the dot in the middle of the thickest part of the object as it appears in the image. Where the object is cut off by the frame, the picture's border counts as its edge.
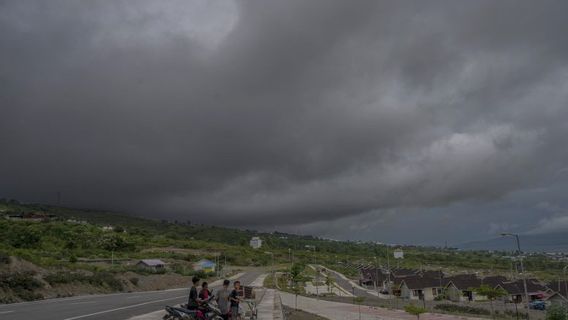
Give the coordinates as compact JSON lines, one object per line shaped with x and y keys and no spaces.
{"x":153,"y":264}
{"x":516,"y":290}
{"x":556,"y":298}
{"x":560,"y":286}
{"x":493,"y":281}
{"x":421,"y":288}
{"x":460,"y":288}
{"x":255,"y":242}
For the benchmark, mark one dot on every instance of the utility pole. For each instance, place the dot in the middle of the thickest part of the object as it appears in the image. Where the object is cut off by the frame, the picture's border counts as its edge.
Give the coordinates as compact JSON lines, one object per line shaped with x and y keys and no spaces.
{"x":376,"y":276}
{"x":524,"y":277}
{"x":315,"y":262}
{"x":389,"y":276}
{"x":565,"y":280}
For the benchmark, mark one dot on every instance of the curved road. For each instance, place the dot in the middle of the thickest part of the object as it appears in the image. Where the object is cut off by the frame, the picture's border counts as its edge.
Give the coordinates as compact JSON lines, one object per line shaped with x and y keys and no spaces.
{"x":118,"y":306}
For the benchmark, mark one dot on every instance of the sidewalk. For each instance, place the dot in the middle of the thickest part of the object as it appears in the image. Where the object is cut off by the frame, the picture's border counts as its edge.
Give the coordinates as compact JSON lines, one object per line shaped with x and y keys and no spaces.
{"x":345,"y":311}
{"x":270,"y":307}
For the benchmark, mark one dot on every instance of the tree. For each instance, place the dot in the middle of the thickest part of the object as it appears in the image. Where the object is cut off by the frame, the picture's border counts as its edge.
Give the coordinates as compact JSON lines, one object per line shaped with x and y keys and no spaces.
{"x":296,"y":276}
{"x":415,"y":310}
{"x":556,"y":312}
{"x":296,"y":272}
{"x":328,"y":282}
{"x":491,"y":293}
{"x":297,"y":290}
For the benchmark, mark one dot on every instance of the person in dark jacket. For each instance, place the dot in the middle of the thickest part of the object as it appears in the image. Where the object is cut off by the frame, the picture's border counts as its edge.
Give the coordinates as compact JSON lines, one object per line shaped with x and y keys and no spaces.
{"x":193,"y":301}
{"x":235,"y":298}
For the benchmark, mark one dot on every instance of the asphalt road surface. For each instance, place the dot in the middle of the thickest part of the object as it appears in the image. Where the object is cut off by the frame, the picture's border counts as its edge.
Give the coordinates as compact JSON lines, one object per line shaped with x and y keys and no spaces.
{"x":117,"y":306}
{"x":347,"y":286}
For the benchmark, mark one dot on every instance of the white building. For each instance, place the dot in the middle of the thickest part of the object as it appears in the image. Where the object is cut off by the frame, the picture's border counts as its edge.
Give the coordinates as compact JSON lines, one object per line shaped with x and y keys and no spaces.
{"x":255,"y":242}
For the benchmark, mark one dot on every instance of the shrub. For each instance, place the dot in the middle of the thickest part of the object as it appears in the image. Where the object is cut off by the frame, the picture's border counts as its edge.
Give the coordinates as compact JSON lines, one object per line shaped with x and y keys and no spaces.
{"x":19,"y":280}
{"x":462,"y":309}
{"x":27,"y":295}
{"x":102,"y":279}
{"x":22,"y":284}
{"x":556,"y":312}
{"x":415,"y":310}
{"x":4,"y":258}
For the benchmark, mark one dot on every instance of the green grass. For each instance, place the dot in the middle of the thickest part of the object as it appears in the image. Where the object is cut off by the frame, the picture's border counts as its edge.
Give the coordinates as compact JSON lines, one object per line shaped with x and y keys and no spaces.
{"x":60,"y":244}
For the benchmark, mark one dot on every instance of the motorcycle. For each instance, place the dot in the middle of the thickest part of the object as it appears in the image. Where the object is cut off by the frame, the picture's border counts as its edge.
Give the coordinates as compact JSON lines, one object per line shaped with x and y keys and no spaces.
{"x":207,"y":311}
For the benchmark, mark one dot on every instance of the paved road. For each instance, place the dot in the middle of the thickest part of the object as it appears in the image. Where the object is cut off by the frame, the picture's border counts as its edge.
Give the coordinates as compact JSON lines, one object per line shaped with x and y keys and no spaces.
{"x":118,"y":306}
{"x":349,"y":286}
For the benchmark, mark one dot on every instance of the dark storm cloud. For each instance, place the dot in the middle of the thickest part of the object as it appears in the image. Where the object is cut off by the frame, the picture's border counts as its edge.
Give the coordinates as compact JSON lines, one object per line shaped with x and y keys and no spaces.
{"x":284,"y":112}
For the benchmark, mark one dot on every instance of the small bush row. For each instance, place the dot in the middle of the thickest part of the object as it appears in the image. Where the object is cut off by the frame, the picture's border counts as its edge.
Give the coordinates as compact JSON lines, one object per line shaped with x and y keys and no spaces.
{"x":462,"y":309}
{"x":101,"y":279}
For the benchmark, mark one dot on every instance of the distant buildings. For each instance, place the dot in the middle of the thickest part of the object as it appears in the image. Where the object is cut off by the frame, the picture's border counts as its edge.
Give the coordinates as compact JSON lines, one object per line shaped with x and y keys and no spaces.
{"x":31,"y":216}
{"x":152,"y":264}
{"x":434,"y":285}
{"x":204,"y":265}
{"x":255,"y":242}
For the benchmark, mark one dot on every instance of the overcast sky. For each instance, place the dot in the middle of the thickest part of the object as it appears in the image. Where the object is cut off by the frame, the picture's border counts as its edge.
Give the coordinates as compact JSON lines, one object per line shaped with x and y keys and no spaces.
{"x":396,"y":121}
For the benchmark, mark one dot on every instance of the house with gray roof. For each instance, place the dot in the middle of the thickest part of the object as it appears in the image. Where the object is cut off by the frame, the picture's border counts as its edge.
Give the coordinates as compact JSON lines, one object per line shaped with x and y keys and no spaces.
{"x":152,"y":264}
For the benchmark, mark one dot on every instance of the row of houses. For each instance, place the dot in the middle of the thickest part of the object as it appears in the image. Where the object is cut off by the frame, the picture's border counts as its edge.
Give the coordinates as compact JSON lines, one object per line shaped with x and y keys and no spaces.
{"x":31,"y":216}
{"x":435,"y":285}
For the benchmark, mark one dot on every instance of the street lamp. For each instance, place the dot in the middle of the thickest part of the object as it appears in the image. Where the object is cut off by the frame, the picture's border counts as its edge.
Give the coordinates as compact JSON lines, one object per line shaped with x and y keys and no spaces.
{"x":376,"y":276}
{"x":522,"y":268}
{"x":565,"y":280}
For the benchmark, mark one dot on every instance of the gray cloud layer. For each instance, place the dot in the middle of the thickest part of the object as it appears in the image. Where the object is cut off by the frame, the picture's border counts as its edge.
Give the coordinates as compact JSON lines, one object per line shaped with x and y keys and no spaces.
{"x":284,"y":112}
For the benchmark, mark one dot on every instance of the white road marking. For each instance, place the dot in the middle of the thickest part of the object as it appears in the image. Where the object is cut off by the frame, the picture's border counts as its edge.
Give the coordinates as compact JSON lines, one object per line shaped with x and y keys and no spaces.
{"x":122,"y":308}
{"x":150,"y":316}
{"x":259,"y":282}
{"x":88,"y":296}
{"x":84,"y":302}
{"x":133,"y":297}
{"x":4,"y":312}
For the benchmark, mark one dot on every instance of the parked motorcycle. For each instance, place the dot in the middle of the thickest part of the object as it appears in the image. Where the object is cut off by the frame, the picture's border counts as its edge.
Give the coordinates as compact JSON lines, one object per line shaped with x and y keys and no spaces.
{"x":208,"y":311}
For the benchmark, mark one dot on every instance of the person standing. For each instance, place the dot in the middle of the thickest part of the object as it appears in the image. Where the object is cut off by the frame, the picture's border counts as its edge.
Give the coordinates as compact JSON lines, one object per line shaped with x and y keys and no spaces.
{"x":222,"y":298}
{"x":235,"y":299}
{"x":192,"y":302}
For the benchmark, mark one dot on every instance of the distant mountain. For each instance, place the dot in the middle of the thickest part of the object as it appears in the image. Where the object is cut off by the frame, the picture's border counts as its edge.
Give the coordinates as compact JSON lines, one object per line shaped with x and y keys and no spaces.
{"x":550,"y":242}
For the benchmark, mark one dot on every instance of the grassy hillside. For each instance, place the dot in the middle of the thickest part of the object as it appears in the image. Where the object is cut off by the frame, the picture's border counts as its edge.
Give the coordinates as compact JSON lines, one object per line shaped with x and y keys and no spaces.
{"x":74,"y":241}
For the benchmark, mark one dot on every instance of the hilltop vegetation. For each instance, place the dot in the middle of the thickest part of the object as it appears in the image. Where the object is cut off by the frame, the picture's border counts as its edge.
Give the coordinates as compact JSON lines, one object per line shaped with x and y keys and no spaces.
{"x":74,"y":244}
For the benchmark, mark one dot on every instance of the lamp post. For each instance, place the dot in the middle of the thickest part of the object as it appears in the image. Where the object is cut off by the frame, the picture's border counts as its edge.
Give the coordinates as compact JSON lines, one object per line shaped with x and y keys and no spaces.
{"x":516,"y":236}
{"x":565,"y":280}
{"x":376,"y":276}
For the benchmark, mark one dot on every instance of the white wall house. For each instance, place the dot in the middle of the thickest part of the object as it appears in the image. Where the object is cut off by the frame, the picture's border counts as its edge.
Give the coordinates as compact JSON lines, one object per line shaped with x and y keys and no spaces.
{"x":255,"y":242}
